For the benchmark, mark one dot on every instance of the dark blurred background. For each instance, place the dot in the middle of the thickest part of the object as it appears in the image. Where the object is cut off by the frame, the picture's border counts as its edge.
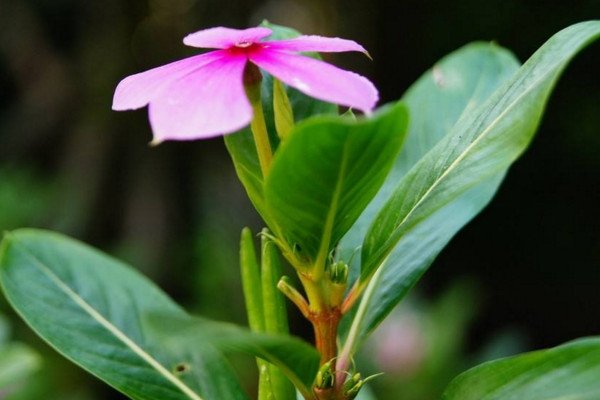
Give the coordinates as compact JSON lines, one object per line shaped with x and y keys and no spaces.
{"x":524,"y":275}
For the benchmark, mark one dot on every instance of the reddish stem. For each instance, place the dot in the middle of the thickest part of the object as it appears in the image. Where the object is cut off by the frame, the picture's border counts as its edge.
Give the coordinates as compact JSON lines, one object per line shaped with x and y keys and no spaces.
{"x":325,"y":324}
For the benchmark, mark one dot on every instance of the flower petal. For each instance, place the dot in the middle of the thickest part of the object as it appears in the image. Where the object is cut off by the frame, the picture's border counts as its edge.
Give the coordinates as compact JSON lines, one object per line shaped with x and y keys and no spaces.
{"x":316,"y":43}
{"x":209,"y":102}
{"x":223,"y":38}
{"x":138,"y":90}
{"x":319,"y":79}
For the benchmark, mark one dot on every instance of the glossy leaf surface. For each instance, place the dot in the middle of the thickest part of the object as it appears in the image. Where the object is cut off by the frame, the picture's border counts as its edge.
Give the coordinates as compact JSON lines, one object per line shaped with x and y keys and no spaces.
{"x":567,"y":372}
{"x":296,"y":358}
{"x":481,"y":145}
{"x":456,"y":85}
{"x":90,"y":308}
{"x":326,"y":173}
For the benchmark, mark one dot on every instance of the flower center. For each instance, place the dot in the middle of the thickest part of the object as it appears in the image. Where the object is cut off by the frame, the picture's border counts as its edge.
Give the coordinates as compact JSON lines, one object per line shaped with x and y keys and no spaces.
{"x":244,"y":44}
{"x":245,"y":47}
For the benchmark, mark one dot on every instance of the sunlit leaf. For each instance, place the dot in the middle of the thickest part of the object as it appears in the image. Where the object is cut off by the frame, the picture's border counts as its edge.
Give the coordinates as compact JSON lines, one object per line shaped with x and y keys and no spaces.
{"x":323,"y":177}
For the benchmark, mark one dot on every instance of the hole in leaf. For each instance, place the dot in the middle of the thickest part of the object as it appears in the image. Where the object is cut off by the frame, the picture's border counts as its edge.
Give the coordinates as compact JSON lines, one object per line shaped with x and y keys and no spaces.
{"x":181,"y":369}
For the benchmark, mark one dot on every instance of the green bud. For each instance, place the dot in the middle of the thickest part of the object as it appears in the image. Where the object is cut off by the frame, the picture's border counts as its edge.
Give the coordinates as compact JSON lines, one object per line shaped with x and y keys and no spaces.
{"x":353,"y":391}
{"x":353,"y":385}
{"x":351,"y":382}
{"x":325,"y":377}
{"x":339,"y":273}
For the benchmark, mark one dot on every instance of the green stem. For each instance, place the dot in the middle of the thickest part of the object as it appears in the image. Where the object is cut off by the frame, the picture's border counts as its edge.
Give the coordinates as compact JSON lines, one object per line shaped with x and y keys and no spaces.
{"x":258,"y":127}
{"x":274,"y":312}
{"x":314,"y":293}
{"x":251,"y":283}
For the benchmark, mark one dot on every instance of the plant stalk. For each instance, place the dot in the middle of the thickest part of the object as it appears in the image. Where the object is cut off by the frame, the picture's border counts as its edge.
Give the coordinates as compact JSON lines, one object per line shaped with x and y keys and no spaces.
{"x":258,"y":126}
{"x":325,"y":325}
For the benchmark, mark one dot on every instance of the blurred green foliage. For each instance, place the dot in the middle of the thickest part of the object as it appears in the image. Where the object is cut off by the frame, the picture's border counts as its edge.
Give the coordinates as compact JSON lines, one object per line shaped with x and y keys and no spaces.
{"x":424,"y":344}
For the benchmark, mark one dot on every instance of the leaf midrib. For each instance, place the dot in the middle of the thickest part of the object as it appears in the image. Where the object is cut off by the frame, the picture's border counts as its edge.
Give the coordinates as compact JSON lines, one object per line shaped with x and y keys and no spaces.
{"x":333,"y":206}
{"x":373,"y":277}
{"x":99,"y":318}
{"x":390,"y":244}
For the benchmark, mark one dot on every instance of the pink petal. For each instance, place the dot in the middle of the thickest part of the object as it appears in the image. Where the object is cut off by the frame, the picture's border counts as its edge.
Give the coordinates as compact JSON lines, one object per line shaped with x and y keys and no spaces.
{"x":223,"y":38}
{"x":206,"y":103}
{"x":319,"y":79}
{"x":138,"y":90}
{"x":316,"y":43}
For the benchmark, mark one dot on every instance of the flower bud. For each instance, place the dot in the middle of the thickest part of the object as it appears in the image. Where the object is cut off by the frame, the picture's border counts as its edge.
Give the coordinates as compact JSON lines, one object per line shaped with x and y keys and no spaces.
{"x":338,"y":276}
{"x":351,"y":382}
{"x":353,"y":385}
{"x":282,"y":110}
{"x":325,"y":377}
{"x":353,"y":391}
{"x":339,"y":273}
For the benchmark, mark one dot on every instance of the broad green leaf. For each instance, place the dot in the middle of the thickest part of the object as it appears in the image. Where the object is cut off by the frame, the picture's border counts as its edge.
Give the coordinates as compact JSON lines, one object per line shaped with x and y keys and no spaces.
{"x":296,"y":358}
{"x":241,"y":144}
{"x":326,"y":173}
{"x":455,"y":86}
{"x":17,"y":362}
{"x":567,"y":372}
{"x":478,"y":149}
{"x":89,"y":307}
{"x":482,"y":144}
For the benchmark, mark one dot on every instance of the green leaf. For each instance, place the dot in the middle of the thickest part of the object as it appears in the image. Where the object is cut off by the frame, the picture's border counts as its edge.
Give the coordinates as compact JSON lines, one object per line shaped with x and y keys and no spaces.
{"x":478,"y":149}
{"x":482,"y":144}
{"x":241,"y":144}
{"x":296,"y":358}
{"x":17,"y":362}
{"x":242,"y":150}
{"x":455,"y":86}
{"x":323,"y":177}
{"x":567,"y":372}
{"x":89,"y":307}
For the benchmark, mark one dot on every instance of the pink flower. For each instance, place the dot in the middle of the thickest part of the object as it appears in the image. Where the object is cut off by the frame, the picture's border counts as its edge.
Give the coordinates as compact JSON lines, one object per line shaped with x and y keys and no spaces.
{"x":203,"y":96}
